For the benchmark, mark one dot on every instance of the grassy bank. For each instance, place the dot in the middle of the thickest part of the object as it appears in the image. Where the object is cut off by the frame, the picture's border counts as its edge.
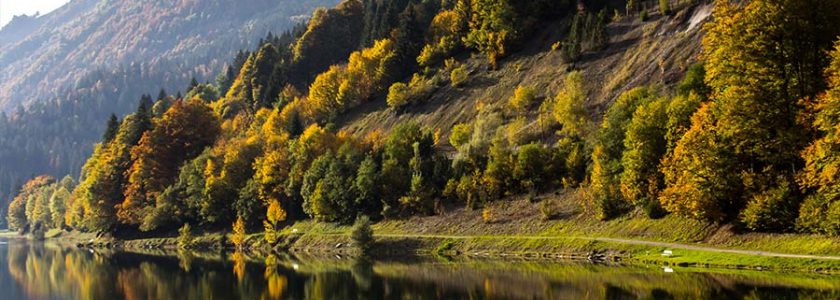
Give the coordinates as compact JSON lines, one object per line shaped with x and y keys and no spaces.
{"x":543,"y":247}
{"x":520,"y":228}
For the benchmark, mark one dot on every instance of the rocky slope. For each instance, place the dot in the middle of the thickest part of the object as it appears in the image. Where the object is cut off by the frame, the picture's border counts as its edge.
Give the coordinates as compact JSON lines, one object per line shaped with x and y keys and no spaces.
{"x":655,"y":52}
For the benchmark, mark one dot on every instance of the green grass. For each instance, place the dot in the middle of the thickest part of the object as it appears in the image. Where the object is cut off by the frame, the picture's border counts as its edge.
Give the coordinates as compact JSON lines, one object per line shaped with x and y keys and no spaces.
{"x":653,"y":255}
{"x":571,"y":239}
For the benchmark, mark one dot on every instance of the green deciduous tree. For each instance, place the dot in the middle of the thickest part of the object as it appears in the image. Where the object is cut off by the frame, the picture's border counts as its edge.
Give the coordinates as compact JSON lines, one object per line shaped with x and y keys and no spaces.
{"x":569,"y":107}
{"x":608,"y":151}
{"x":644,"y":146}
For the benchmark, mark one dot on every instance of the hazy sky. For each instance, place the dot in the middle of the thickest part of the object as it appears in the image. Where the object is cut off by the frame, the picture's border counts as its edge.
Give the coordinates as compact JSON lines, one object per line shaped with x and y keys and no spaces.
{"x":9,"y":8}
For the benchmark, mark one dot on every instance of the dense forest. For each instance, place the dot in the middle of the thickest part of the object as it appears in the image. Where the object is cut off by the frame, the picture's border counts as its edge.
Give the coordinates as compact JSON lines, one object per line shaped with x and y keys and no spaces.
{"x":747,"y":137}
{"x":63,"y":73}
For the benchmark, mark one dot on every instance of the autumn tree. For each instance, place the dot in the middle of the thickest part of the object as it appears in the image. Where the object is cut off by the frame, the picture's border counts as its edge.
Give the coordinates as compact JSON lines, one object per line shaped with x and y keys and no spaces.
{"x":343,"y":87}
{"x":330,"y":37}
{"x":26,"y":208}
{"x":700,"y":178}
{"x":181,"y":134}
{"x":821,"y":210}
{"x":493,"y":27}
{"x":569,"y":107}
{"x":762,"y":59}
{"x":445,"y":35}
{"x":275,"y":215}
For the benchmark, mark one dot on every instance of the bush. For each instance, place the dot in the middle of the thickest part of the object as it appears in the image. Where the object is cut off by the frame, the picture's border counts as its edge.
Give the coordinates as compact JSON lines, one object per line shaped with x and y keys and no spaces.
{"x":771,"y":210}
{"x":548,"y":210}
{"x":460,"y":135}
{"x":466,"y":189}
{"x":398,"y":95}
{"x":819,"y":215}
{"x":362,"y":234}
{"x":401,"y":94}
{"x":665,"y":7}
{"x":643,"y":16}
{"x":487,"y":214}
{"x":459,"y":76}
{"x":653,"y":209}
{"x":433,"y":54}
{"x":38,"y":232}
{"x":522,"y":99}
{"x":186,"y":239}
{"x":531,"y":169}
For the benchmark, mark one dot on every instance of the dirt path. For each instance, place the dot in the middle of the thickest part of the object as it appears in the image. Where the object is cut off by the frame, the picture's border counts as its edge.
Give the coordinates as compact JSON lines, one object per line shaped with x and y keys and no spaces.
{"x":626,"y":241}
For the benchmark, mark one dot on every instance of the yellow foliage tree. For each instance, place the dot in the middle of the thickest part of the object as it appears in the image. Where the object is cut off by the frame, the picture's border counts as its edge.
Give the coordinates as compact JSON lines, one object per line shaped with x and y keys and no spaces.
{"x":274,"y":216}
{"x":239,"y":235}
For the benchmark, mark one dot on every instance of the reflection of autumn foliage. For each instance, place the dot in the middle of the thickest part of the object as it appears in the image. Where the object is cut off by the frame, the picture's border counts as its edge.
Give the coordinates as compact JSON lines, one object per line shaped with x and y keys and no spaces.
{"x":238,"y":259}
{"x":276,"y":283}
{"x":47,"y":272}
{"x":185,"y":259}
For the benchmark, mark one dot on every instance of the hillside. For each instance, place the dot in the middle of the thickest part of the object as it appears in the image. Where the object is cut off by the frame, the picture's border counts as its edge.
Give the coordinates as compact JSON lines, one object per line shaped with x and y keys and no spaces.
{"x":724,"y":114}
{"x":656,"y":52}
{"x":63,"y":73}
{"x":166,"y":43}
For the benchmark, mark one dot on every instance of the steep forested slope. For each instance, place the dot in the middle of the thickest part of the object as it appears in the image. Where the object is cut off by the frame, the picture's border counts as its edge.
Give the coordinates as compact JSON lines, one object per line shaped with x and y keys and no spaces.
{"x":723,"y":112}
{"x":655,"y":52}
{"x":63,"y":73}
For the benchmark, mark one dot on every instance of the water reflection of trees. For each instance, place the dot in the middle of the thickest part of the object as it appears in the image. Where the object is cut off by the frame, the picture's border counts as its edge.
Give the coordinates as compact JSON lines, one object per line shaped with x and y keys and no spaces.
{"x":52,"y":272}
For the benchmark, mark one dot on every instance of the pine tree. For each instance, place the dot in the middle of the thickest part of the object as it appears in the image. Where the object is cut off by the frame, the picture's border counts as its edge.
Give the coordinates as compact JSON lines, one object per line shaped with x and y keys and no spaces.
{"x":111,"y":129}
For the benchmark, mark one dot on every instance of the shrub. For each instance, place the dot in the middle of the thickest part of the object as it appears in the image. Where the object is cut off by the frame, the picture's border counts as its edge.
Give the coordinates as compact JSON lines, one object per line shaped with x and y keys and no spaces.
{"x":398,"y":95}
{"x":548,"y":210}
{"x":401,"y":94}
{"x":468,"y":189}
{"x":522,"y":98}
{"x":653,"y":209}
{"x":665,"y":7}
{"x":487,"y":214}
{"x":362,"y":234}
{"x":186,"y":239}
{"x":771,"y":210}
{"x":643,"y":16}
{"x":530,"y":169}
{"x":38,"y":232}
{"x":433,"y":54}
{"x":460,"y":135}
{"x":459,"y":76}
{"x":516,"y":131}
{"x":819,"y":215}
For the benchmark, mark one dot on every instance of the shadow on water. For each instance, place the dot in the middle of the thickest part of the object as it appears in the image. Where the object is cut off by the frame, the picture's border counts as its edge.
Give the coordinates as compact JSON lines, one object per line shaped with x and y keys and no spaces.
{"x":46,"y":271}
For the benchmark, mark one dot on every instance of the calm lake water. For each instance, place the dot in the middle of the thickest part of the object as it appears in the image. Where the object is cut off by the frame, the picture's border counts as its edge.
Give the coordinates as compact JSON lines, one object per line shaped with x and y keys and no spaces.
{"x":47,"y":271}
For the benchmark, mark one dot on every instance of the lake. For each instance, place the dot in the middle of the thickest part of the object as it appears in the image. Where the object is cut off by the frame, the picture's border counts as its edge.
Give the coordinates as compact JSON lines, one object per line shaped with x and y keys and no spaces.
{"x":31,"y":270}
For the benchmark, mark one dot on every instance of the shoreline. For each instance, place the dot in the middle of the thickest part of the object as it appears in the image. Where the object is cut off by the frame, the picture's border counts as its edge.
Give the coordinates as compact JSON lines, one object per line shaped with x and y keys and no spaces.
{"x":549,"y":248}
{"x":518,"y":231}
